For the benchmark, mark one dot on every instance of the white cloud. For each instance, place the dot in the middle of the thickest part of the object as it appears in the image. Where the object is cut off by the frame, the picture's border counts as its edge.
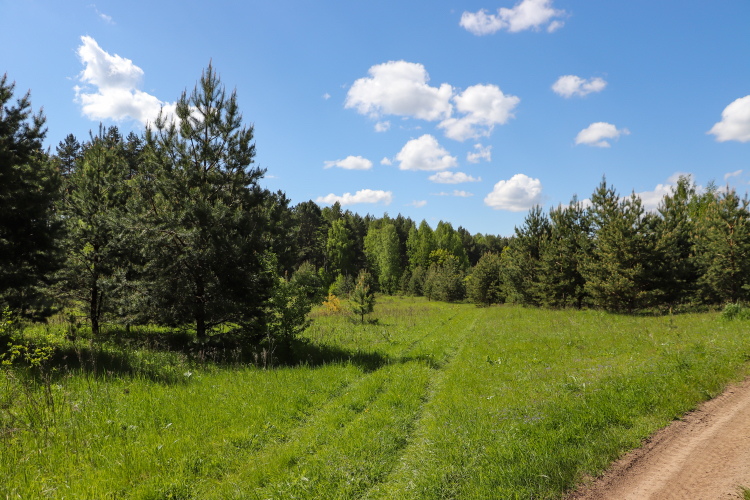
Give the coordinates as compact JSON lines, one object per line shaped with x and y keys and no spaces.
{"x":399,"y":88}
{"x":570,"y":85}
{"x":517,"y":194}
{"x":481,"y":153}
{"x":527,"y":14}
{"x":417,"y":203}
{"x":116,"y":80}
{"x":452,"y":178}
{"x":104,"y":17}
{"x":350,"y":163}
{"x":326,"y":96}
{"x":484,"y":106}
{"x":386,"y":161}
{"x":596,"y":133}
{"x":382,"y":126}
{"x":424,"y":154}
{"x":363,"y":196}
{"x":554,"y":26}
{"x":736,"y":173}
{"x":650,"y":199}
{"x":456,"y":192}
{"x":735,"y":122}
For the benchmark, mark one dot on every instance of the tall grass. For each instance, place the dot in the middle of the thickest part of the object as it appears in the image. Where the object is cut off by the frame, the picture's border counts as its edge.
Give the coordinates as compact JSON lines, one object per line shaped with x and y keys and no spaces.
{"x":426,"y":400}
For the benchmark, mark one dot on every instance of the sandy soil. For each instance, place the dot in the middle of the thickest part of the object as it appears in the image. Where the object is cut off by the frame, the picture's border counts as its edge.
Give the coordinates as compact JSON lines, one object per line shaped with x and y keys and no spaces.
{"x":706,"y":455}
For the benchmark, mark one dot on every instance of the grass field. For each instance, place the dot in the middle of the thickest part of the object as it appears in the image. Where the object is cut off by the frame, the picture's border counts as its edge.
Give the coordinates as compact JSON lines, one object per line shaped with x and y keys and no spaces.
{"x":430,"y":400}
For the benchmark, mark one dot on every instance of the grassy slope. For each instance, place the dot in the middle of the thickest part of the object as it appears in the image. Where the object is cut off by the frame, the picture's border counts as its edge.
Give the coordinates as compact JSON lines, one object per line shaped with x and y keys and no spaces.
{"x":432,"y":401}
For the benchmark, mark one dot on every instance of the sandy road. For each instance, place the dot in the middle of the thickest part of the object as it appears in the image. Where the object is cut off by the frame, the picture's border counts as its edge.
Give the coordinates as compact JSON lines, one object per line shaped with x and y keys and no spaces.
{"x":704,"y":456}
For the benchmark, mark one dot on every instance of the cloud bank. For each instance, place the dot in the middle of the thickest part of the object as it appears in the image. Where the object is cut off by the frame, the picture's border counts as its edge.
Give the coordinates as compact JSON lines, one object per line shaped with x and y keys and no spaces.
{"x":401,"y":88}
{"x":527,"y":14}
{"x":363,"y":196}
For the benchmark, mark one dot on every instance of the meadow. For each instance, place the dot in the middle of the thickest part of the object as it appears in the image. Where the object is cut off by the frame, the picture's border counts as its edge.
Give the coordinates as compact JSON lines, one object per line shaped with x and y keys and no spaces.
{"x":425,"y":400}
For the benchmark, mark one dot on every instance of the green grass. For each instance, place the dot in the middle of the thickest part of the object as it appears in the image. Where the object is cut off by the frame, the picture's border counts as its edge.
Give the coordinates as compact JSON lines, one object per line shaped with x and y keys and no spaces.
{"x":429,"y":400}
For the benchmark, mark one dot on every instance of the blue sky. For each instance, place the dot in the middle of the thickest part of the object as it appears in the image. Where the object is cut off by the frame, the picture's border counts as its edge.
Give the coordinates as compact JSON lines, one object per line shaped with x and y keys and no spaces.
{"x":537,"y":98}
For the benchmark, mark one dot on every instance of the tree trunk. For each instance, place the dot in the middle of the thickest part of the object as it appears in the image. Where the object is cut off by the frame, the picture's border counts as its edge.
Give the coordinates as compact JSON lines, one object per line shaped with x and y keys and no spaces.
{"x":200,"y":311}
{"x":94,"y":309}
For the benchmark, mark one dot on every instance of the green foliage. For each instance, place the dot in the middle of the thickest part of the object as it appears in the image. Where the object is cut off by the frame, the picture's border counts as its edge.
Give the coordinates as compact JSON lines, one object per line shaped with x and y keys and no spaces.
{"x":29,"y":186}
{"x":339,"y":248}
{"x":343,"y":286}
{"x":521,"y":265}
{"x":416,"y":282}
{"x":383,"y":249}
{"x":620,"y":265}
{"x":735,"y":311}
{"x":363,"y":302}
{"x":95,"y":194}
{"x":722,"y":250}
{"x":286,"y":316}
{"x":484,"y":286}
{"x":309,"y":281}
{"x":560,"y":282}
{"x":200,"y":218}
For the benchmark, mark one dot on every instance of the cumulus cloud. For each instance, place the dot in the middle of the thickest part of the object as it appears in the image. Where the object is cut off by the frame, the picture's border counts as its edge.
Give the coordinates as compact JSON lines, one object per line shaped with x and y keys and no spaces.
{"x":736,"y":173}
{"x":456,"y":192}
{"x":424,"y":154}
{"x":481,"y":153}
{"x":483,"y":106}
{"x":570,"y":85}
{"x":650,"y":199}
{"x":350,"y":163}
{"x":417,"y":203}
{"x":527,"y":14}
{"x":401,"y":88}
{"x":116,"y":80}
{"x":452,"y":178}
{"x":386,"y":161}
{"x":517,"y":194}
{"x":363,"y":196}
{"x":735,"y":122}
{"x":596,"y":133}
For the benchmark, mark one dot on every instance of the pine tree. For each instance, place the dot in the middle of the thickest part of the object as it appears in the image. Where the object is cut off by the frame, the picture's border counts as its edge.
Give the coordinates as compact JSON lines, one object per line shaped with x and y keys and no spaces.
{"x":722,"y":250}
{"x":676,"y":228}
{"x":95,"y":195}
{"x":312,"y":233}
{"x":484,"y":286}
{"x":29,"y":186}
{"x":521,"y":269}
{"x":560,"y":281}
{"x":363,"y":302}
{"x":68,"y":153}
{"x":618,"y":268}
{"x":200,"y":216}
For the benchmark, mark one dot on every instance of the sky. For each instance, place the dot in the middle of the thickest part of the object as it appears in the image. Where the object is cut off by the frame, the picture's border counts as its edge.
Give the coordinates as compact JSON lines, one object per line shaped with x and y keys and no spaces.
{"x":468,"y":111}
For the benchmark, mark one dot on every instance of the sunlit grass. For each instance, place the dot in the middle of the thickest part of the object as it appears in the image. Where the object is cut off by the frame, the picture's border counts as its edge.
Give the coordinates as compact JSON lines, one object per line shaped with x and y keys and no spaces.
{"x":424,"y":400}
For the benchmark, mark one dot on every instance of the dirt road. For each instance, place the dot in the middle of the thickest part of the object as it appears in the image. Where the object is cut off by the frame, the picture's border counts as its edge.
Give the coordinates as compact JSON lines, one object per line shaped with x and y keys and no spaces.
{"x":704,"y":456}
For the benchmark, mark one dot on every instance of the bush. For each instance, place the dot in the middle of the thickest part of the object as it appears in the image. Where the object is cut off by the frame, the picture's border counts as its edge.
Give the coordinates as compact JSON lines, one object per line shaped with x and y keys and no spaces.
{"x":343,"y":286}
{"x":735,"y":311}
{"x":307,"y":279}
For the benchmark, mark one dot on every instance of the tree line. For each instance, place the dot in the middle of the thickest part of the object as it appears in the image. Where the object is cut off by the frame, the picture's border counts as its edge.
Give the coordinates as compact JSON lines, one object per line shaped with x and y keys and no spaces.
{"x":171,"y":227}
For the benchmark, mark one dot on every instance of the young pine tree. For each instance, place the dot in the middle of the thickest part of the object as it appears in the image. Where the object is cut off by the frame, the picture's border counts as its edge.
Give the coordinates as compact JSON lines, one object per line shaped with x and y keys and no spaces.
{"x":484,"y":286}
{"x":200,"y":215}
{"x":29,"y":186}
{"x":363,"y":302}
{"x":95,"y":195}
{"x":722,"y":250}
{"x":521,"y":272}
{"x":560,"y":281}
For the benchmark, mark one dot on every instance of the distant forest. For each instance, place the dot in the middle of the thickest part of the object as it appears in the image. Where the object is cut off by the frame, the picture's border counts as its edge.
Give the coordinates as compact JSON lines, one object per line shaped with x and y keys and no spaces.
{"x":171,"y":227}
